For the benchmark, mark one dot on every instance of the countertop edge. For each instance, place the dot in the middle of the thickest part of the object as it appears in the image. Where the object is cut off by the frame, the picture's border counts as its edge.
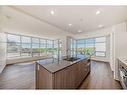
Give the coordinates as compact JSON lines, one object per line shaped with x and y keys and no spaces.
{"x":63,"y":67}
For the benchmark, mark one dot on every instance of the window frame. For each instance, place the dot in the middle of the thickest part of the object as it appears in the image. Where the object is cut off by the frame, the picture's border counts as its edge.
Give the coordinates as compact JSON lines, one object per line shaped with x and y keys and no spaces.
{"x":11,"y":42}
{"x":85,"y":45}
{"x":105,"y":46}
{"x":27,"y":43}
{"x":31,"y":55}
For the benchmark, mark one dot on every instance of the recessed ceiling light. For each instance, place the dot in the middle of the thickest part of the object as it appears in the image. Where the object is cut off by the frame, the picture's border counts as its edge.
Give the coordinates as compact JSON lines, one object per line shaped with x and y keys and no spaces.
{"x":70,"y":24}
{"x":98,"y":12}
{"x":79,"y":31}
{"x":100,"y":25}
{"x":52,"y":12}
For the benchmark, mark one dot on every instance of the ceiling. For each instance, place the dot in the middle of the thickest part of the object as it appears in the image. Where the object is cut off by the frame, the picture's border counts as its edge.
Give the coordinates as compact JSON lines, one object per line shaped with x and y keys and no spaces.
{"x":83,"y":18}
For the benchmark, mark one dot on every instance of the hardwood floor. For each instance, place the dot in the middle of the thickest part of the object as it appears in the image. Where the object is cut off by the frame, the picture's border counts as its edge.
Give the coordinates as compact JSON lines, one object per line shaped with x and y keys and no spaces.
{"x":101,"y":77}
{"x":22,"y":76}
{"x":18,"y":76}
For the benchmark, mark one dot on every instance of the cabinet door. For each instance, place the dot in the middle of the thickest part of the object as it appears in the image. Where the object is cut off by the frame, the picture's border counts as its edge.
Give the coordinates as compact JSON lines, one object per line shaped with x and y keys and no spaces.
{"x":80,"y":73}
{"x":86,"y":68}
{"x":43,"y":78}
{"x":83,"y":70}
{"x":65,"y":79}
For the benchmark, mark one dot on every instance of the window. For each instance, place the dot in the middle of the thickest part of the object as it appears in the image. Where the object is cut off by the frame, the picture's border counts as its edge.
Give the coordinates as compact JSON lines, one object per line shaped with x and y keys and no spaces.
{"x":56,"y":51}
{"x":42,"y":47}
{"x":13,"y":45}
{"x":60,"y":49}
{"x":86,"y":46}
{"x":50,"y":47}
{"x":73,"y":48}
{"x":90,"y":47}
{"x":80,"y":41}
{"x":80,"y":46}
{"x":100,"y":46}
{"x":35,"y":47}
{"x":25,"y":46}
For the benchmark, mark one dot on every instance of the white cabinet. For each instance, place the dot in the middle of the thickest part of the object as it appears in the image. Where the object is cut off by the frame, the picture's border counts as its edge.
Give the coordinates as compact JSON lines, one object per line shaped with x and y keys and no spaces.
{"x":2,"y":51}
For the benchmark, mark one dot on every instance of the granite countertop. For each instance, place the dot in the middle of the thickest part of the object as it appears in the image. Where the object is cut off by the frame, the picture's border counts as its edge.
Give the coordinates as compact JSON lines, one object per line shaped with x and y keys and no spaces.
{"x":53,"y":65}
{"x":123,"y":60}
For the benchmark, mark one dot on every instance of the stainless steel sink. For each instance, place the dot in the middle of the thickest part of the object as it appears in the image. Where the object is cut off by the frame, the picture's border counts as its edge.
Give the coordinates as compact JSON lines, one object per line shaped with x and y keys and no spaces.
{"x":71,"y":59}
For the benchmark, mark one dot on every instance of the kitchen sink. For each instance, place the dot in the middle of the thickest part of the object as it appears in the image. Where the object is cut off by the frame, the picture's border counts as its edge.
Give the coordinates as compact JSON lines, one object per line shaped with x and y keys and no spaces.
{"x":71,"y":59}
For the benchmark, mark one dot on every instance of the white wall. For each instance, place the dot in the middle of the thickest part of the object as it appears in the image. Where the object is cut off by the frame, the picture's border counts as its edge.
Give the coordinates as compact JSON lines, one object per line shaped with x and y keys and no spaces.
{"x":120,"y":44}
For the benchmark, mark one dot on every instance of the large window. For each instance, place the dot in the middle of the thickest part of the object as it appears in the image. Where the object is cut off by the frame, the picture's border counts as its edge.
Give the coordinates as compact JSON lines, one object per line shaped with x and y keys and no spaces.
{"x":50,"y":47}
{"x":86,"y":46}
{"x":13,"y":45}
{"x":24,"y":46}
{"x":35,"y":47}
{"x":100,"y":46}
{"x":73,"y":47}
{"x":56,"y":51}
{"x":42,"y":47}
{"x":80,"y":46}
{"x":92,"y":46}
{"x":60,"y":49}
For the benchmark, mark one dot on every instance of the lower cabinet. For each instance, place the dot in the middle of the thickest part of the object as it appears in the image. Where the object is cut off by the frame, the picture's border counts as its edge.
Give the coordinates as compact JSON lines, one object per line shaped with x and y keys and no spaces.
{"x":83,"y":71}
{"x":69,"y":78}
{"x":66,"y":78}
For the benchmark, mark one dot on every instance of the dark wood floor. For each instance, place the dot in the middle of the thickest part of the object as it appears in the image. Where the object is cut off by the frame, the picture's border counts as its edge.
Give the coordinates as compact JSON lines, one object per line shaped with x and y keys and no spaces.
{"x":18,"y":76}
{"x":22,"y":76}
{"x":101,"y":77}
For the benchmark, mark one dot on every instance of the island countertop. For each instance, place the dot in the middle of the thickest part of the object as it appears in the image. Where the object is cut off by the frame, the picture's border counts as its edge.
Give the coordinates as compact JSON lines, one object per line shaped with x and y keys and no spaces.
{"x":53,"y":65}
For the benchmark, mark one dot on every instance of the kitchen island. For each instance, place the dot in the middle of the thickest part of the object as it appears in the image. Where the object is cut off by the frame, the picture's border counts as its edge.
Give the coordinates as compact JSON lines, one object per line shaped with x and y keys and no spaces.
{"x":62,"y":74}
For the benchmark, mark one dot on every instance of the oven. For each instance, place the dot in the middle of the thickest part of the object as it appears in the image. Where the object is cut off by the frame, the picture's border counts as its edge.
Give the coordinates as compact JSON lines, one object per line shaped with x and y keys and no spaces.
{"x":123,"y":76}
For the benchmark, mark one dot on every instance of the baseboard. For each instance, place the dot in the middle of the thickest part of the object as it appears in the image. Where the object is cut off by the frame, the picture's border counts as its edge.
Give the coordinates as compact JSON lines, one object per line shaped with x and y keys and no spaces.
{"x":99,"y":60}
